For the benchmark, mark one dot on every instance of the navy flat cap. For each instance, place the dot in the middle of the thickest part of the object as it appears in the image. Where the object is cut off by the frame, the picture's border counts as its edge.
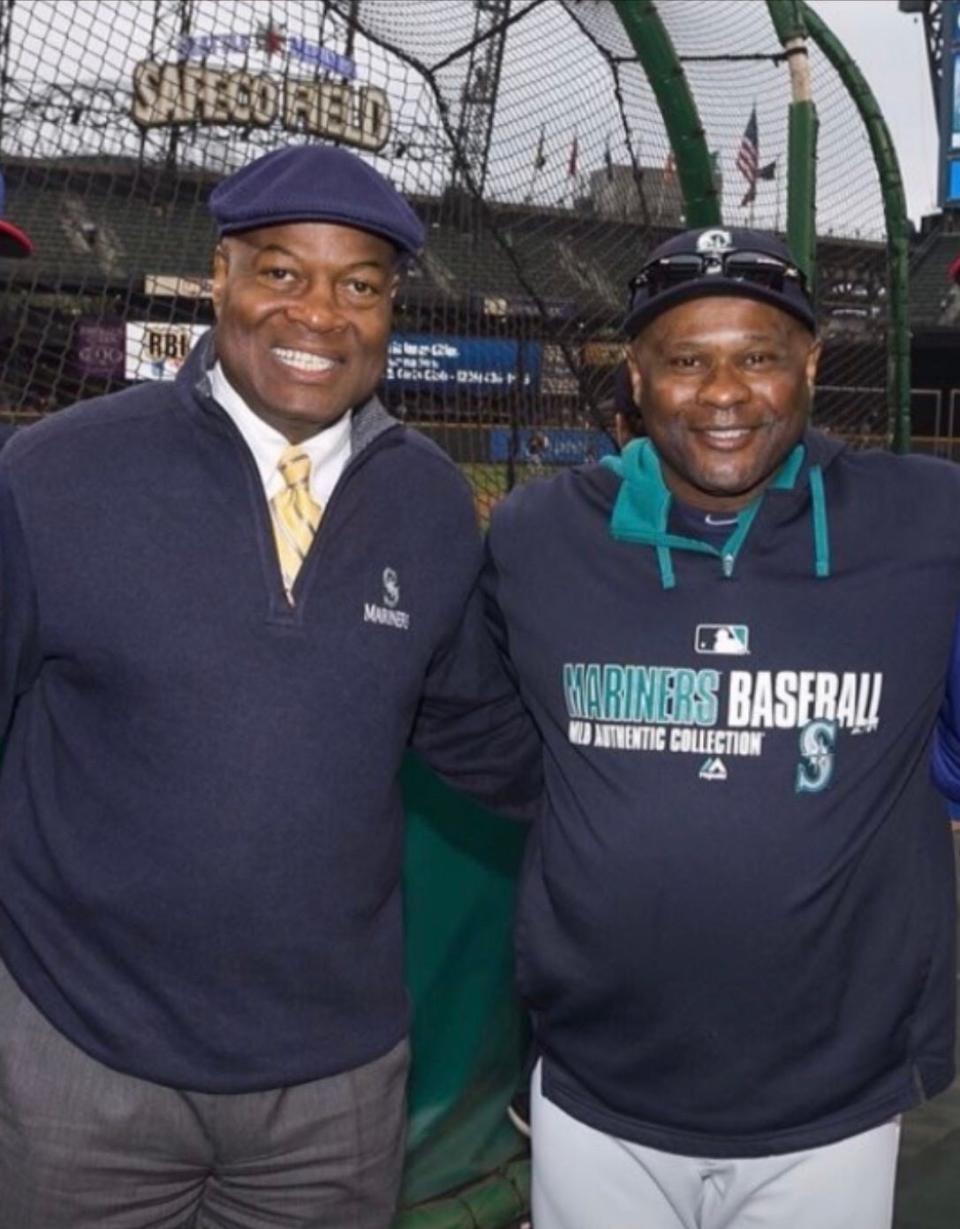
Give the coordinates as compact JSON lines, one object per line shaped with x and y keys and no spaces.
{"x":315,"y":183}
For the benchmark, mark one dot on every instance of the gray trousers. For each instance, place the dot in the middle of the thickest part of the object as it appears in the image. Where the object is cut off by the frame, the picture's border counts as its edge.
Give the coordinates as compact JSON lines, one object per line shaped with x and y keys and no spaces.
{"x":85,"y":1147}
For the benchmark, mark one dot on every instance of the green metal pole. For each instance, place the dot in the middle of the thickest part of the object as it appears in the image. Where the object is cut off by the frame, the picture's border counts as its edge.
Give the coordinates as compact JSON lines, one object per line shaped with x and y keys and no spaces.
{"x":802,"y":188}
{"x":895,"y":213}
{"x":787,"y":18}
{"x":665,"y":73}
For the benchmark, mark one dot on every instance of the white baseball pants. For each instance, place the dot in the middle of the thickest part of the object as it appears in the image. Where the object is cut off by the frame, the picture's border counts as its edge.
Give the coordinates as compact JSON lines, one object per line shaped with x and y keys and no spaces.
{"x":584,"y":1179}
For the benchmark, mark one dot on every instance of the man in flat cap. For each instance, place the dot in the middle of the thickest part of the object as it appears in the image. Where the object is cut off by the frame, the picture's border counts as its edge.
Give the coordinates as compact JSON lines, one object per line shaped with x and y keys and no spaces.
{"x":230,"y":604}
{"x":736,"y":925}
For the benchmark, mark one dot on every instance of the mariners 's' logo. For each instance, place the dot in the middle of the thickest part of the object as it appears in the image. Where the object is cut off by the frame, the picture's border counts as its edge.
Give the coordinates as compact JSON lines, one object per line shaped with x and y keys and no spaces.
{"x":391,"y":588}
{"x":818,"y":741}
{"x":715,"y":241}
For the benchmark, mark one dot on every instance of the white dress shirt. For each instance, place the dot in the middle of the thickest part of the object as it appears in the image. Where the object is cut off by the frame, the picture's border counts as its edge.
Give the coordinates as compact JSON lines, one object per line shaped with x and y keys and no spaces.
{"x":328,"y":450}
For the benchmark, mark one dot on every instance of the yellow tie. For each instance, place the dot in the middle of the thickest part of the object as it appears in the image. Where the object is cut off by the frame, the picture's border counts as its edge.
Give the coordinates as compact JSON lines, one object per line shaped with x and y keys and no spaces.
{"x":294,"y":513}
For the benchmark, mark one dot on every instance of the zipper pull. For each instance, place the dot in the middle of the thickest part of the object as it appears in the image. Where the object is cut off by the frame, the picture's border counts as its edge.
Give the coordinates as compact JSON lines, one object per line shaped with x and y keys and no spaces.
{"x":728,"y":562}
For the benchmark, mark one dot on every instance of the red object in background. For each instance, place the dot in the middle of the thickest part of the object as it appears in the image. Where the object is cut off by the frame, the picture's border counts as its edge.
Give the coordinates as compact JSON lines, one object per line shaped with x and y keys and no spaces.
{"x":953,"y":269}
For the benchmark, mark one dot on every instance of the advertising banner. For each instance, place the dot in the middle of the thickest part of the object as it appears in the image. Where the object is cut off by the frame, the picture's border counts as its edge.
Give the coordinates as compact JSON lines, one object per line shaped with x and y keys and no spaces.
{"x":157,"y":351}
{"x":98,"y":349}
{"x":425,"y":360}
{"x":546,"y":446}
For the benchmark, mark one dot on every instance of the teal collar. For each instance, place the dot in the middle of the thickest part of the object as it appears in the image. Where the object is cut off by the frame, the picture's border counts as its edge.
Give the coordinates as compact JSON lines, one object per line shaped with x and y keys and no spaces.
{"x":642,"y":508}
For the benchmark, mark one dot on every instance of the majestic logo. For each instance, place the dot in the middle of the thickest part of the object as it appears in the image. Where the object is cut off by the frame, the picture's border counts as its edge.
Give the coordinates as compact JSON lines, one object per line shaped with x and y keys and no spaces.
{"x":391,"y":588}
{"x":715,"y":241}
{"x":818,"y":740}
{"x":387,"y":614}
{"x":713,"y":770}
{"x":729,"y":639}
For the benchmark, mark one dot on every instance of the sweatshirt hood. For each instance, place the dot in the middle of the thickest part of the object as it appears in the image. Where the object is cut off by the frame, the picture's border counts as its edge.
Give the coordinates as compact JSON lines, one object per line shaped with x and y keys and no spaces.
{"x":641,"y":509}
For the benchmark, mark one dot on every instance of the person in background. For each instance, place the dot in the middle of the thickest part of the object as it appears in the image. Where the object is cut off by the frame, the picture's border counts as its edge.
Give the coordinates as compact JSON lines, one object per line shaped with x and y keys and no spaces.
{"x":231,"y":603}
{"x":736,"y":924}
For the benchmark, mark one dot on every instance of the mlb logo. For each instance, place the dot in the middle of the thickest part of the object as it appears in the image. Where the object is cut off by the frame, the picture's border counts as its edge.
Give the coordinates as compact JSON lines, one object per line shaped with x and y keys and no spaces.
{"x":726,"y":639}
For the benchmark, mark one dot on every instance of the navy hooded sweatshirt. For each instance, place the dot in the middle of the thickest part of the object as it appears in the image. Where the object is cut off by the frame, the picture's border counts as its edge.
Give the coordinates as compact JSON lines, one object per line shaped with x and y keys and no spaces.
{"x":736,"y":928}
{"x":200,"y":819}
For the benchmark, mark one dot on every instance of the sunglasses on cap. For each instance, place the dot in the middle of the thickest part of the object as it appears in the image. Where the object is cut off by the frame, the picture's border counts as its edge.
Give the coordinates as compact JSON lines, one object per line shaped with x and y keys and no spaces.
{"x":755,"y":267}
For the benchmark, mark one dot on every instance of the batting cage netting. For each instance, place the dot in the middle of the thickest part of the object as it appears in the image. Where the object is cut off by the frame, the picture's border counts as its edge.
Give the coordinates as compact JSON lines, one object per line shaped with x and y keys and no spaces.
{"x":526,"y":133}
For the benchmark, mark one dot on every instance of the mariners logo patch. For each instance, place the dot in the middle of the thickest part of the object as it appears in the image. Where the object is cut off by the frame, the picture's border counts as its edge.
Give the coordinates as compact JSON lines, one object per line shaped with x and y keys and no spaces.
{"x":724,"y":639}
{"x":391,"y":588}
{"x":387,"y":613}
{"x":715,"y":241}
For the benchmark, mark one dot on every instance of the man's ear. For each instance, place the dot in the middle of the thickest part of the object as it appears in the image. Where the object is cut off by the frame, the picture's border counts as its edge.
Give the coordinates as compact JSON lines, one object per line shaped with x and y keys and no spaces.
{"x":221,"y":266}
{"x":636,"y":378}
{"x":812,"y":363}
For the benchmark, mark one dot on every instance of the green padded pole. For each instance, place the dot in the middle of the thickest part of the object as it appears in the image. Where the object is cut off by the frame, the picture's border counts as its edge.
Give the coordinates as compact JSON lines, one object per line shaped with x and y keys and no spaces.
{"x":665,"y":73}
{"x":802,"y":188}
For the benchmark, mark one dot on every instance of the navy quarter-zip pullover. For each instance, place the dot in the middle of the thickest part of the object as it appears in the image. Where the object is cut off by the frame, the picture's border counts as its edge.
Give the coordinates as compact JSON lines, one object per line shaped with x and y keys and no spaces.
{"x":736,"y":927}
{"x":200,"y":820}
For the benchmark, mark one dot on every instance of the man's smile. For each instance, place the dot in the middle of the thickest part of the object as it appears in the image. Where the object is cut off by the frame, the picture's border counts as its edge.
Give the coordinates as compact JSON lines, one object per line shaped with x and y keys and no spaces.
{"x":725,"y":438}
{"x":304,"y":360}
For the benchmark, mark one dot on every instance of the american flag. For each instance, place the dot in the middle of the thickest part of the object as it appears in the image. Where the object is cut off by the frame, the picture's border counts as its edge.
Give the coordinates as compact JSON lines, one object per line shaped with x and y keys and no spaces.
{"x":748,"y":160}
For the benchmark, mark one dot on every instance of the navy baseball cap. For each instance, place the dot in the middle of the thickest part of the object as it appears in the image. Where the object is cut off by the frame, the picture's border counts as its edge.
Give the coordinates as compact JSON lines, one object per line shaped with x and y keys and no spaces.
{"x":315,"y":183}
{"x":13,"y":242}
{"x":749,"y":263}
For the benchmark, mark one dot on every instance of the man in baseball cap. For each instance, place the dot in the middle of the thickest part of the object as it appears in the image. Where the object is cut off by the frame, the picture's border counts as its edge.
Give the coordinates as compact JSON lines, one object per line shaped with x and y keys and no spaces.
{"x":14,"y":244}
{"x":231,"y":603}
{"x":736,"y":923}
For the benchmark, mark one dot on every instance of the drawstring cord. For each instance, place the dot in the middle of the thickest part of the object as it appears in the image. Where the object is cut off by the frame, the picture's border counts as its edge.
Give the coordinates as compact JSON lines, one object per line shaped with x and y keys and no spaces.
{"x":641,"y":511}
